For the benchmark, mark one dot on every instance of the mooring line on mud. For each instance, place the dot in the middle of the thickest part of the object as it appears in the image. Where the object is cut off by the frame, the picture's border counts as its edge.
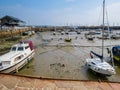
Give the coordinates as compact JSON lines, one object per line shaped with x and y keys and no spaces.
{"x":50,"y":50}
{"x":72,"y":46}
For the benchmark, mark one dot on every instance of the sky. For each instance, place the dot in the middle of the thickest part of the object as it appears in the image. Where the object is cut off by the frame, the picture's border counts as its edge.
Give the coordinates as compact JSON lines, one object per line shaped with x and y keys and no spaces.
{"x":61,"y":12}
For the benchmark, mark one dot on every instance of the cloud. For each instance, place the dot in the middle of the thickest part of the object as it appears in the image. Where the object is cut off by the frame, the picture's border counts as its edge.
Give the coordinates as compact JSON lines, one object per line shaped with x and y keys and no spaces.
{"x":112,"y":14}
{"x":63,"y":16}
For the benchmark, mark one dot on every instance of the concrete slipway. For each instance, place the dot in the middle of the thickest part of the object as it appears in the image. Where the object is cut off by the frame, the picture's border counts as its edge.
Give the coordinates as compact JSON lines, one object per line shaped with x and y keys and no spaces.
{"x":10,"y":82}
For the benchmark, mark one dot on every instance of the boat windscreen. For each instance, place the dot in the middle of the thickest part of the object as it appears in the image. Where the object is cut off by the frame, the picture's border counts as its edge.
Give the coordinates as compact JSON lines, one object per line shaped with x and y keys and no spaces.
{"x":13,"y":49}
{"x":20,"y":48}
{"x":93,"y":63}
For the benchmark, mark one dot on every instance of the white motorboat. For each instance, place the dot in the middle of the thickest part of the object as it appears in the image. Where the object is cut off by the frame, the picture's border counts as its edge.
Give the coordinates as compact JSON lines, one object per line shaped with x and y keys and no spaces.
{"x":99,"y":65}
{"x":19,"y":55}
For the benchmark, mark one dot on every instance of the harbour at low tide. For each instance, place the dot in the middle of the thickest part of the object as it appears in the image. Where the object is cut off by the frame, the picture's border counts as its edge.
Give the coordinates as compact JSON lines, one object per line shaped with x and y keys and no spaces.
{"x":54,"y":58}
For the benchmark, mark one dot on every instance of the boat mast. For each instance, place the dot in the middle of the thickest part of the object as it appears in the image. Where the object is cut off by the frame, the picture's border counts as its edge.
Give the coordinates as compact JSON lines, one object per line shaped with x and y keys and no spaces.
{"x":103,"y":27}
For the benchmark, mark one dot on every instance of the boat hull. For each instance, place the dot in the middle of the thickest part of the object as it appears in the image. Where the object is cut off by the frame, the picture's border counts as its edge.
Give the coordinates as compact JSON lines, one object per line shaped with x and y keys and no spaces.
{"x":99,"y":73}
{"x":68,"y":40}
{"x":19,"y":65}
{"x":99,"y":67}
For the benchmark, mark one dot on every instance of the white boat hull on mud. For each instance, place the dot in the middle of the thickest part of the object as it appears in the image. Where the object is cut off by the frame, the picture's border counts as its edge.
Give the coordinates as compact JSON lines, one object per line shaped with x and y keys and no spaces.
{"x":100,"y":67}
{"x":17,"y":66}
{"x":19,"y":55}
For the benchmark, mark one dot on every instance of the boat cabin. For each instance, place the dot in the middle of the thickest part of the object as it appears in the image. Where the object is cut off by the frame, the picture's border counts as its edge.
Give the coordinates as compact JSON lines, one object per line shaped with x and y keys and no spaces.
{"x":22,"y":46}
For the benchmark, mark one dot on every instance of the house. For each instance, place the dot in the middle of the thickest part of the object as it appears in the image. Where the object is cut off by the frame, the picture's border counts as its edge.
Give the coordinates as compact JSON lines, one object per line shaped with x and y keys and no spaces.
{"x":11,"y":21}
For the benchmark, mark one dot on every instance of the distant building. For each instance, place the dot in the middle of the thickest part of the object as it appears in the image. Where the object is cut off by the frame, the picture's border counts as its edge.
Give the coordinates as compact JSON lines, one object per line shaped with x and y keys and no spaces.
{"x":11,"y":21}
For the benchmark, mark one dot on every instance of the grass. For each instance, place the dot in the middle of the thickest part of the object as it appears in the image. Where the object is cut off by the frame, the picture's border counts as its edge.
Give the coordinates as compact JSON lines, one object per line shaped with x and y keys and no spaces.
{"x":5,"y":44}
{"x":6,"y":41}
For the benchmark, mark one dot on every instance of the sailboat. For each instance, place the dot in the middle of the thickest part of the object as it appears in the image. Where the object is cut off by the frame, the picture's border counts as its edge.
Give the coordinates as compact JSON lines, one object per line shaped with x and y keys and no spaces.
{"x":99,"y":65}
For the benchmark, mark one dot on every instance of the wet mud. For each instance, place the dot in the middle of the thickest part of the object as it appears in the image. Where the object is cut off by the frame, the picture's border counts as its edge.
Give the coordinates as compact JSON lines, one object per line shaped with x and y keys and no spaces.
{"x":57,"y":59}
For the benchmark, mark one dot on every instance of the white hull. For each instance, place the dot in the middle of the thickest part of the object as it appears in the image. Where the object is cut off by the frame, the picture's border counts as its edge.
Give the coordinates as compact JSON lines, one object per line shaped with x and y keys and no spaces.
{"x":102,"y":72}
{"x":19,"y":65}
{"x":100,"y":67}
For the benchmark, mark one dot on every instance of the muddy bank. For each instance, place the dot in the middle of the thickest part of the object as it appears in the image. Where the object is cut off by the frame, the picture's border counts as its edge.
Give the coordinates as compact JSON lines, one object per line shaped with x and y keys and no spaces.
{"x":57,"y":59}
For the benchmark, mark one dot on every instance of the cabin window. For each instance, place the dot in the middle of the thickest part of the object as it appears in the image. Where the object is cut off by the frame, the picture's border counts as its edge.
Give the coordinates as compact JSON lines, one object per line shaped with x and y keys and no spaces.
{"x":89,"y":65}
{"x":26,"y":47}
{"x":20,"y":48}
{"x":13,"y":48}
{"x":5,"y":63}
{"x":115,"y":51}
{"x":93,"y":63}
{"x":98,"y":69}
{"x":0,"y":64}
{"x":19,"y":57}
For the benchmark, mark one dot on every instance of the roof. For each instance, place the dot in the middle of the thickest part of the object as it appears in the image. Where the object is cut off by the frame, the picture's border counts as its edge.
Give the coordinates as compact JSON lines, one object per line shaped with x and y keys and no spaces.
{"x":10,"y":20}
{"x":20,"y":44}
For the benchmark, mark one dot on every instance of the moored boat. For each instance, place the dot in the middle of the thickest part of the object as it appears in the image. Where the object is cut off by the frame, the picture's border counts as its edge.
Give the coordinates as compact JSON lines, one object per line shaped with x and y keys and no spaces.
{"x":116,"y":53}
{"x":99,"y":65}
{"x":19,"y":55}
{"x":103,"y":68}
{"x":68,"y":39}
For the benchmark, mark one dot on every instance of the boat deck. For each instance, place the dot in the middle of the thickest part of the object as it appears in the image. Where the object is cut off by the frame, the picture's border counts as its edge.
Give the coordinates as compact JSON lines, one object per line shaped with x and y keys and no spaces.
{"x":10,"y":82}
